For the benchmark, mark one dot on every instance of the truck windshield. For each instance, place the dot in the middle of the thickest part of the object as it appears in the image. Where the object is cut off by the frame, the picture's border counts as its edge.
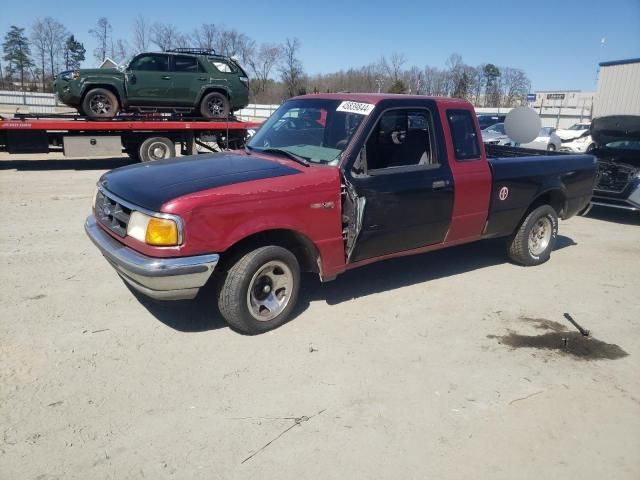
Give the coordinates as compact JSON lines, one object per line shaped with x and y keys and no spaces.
{"x":313,"y":129}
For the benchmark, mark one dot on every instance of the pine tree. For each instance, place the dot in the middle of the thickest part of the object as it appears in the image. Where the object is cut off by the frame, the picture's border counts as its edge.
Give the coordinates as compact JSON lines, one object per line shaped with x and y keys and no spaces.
{"x":73,"y":53}
{"x":17,"y":52}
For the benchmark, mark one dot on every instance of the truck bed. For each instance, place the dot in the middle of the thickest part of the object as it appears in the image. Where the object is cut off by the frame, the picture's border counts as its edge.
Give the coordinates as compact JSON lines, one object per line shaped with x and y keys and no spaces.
{"x":522,"y":176}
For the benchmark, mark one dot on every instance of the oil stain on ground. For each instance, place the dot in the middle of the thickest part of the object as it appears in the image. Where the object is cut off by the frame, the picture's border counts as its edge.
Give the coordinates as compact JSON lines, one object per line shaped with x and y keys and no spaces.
{"x":558,"y":338}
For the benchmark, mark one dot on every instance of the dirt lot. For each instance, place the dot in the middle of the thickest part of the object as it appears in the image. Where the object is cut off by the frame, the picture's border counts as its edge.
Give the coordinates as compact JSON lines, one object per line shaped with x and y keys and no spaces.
{"x":450,"y":365}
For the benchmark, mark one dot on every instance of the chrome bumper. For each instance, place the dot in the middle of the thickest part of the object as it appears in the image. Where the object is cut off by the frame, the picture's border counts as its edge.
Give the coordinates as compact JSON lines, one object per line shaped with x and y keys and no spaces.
{"x":159,"y":278}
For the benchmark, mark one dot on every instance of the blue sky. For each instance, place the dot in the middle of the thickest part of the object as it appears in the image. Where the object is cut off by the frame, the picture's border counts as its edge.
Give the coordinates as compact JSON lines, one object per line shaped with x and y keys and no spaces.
{"x":557,"y":43}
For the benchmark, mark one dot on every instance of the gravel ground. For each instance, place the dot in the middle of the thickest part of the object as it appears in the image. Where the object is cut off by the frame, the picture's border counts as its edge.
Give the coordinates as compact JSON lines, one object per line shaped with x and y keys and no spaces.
{"x":450,"y":365}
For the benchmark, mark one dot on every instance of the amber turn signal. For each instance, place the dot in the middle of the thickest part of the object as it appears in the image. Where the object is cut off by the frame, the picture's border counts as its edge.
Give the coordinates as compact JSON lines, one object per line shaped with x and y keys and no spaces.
{"x":161,"y":232}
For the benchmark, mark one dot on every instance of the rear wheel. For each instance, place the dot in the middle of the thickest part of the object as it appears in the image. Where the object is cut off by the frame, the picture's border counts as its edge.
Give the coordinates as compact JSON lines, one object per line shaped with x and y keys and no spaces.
{"x":100,"y":104}
{"x":551,"y":147}
{"x":156,"y":148}
{"x":214,"y":105}
{"x":534,"y":240}
{"x":260,"y":290}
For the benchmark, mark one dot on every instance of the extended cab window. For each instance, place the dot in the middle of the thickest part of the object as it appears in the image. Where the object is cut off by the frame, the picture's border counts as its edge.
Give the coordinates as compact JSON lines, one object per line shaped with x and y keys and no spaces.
{"x":401,"y":138}
{"x":186,"y":64}
{"x":150,"y":63}
{"x":463,"y":131}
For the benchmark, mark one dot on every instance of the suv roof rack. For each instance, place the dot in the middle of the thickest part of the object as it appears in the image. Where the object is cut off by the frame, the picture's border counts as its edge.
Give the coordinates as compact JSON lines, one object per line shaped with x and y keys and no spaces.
{"x":193,"y":51}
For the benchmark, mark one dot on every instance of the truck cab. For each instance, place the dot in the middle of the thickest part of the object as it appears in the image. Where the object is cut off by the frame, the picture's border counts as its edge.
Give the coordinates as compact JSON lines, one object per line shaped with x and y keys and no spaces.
{"x":329,"y":183}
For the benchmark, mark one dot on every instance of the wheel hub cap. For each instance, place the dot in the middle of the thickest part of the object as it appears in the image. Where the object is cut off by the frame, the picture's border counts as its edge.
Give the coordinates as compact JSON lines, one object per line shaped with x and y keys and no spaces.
{"x":540,"y":236}
{"x":269,"y":290}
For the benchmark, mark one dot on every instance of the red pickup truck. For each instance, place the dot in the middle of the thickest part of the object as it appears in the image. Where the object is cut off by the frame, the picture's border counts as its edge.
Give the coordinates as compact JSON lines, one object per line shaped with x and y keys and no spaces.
{"x":329,"y":183}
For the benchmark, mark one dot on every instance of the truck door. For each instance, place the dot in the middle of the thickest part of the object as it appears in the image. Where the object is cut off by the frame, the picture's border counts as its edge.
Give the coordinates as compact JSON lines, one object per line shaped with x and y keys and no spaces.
{"x":188,"y":77}
{"x":400,"y":187}
{"x":148,"y":80}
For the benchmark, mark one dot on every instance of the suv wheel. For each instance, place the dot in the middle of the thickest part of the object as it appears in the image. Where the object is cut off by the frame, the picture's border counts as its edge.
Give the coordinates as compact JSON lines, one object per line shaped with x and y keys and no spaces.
{"x":260,"y":290}
{"x":214,"y":105}
{"x":156,"y":148}
{"x":100,"y":104}
{"x":534,"y":240}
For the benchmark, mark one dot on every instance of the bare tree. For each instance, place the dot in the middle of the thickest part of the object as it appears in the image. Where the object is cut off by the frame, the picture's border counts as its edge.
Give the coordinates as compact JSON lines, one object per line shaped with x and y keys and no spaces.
{"x":234,"y":44}
{"x":39,"y":42}
{"x":141,"y":34}
{"x":102,"y":34}
{"x":56,"y":35}
{"x":206,"y":36}
{"x":514,"y":86}
{"x":291,"y":70}
{"x":394,"y":67}
{"x":120,"y":51}
{"x":263,"y":62}
{"x":164,"y":35}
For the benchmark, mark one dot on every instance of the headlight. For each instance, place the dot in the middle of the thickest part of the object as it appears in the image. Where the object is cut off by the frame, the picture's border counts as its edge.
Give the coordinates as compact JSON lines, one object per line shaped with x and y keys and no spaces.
{"x":152,"y":230}
{"x":93,"y":199}
{"x":70,"y":75}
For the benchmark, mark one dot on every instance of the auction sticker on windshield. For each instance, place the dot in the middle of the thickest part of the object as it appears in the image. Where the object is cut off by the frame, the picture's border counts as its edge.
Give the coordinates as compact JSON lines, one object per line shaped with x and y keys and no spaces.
{"x":355,"y":107}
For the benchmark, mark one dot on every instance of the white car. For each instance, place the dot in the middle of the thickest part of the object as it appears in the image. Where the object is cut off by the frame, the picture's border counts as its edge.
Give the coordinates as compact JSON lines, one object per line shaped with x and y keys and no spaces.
{"x":495,"y":134}
{"x":546,"y":140}
{"x":576,"y":138}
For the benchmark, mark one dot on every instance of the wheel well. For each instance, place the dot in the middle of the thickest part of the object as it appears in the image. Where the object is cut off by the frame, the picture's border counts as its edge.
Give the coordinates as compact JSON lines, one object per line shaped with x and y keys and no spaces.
{"x":554,"y":198}
{"x":214,"y":89}
{"x":303,"y":248}
{"x":111,"y":88}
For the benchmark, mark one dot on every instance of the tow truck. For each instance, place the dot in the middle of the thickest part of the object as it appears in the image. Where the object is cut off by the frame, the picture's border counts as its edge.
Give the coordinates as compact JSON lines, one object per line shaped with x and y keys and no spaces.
{"x":142,"y":137}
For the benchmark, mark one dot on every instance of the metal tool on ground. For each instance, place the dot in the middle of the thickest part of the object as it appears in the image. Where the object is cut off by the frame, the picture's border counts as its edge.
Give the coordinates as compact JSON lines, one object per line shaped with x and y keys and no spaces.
{"x":584,"y":332}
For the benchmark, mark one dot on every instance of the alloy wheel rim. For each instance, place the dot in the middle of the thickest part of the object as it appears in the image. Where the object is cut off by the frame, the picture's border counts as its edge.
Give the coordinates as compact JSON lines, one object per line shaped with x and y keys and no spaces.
{"x":270,"y":290}
{"x":100,"y":105}
{"x":540,"y":236}
{"x":215,"y":106}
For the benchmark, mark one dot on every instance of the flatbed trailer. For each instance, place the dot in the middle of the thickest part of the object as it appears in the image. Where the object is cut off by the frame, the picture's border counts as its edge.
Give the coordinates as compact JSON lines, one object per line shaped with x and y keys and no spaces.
{"x":143,"y":138}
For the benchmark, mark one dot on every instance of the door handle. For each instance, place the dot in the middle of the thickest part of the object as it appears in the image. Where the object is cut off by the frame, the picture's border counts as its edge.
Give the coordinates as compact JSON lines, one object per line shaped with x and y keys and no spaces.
{"x":438,"y":184}
{"x":203,"y":79}
{"x":166,"y":77}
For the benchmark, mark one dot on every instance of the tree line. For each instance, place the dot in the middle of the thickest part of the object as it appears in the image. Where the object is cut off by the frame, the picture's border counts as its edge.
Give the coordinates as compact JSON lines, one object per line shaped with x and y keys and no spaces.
{"x":33,"y":57}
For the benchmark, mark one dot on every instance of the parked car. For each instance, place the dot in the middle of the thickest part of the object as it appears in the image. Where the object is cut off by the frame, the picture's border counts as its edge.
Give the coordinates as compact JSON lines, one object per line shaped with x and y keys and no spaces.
{"x":495,"y":134}
{"x":576,"y":138}
{"x":190,"y":81}
{"x":366,"y":183}
{"x":618,"y":153}
{"x":546,"y":140}
{"x":487,"y":120}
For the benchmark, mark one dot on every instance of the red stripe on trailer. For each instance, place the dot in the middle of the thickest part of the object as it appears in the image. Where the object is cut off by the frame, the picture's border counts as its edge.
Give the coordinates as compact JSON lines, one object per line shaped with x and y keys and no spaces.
{"x":124,"y":125}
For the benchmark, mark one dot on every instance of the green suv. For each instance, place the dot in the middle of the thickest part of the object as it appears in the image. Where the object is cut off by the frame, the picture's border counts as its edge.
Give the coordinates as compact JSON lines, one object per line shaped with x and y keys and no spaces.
{"x":182,"y":81}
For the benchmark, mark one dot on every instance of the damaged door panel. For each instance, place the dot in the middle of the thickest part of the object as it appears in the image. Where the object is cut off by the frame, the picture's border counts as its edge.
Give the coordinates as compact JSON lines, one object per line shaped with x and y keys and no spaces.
{"x":352,"y":214}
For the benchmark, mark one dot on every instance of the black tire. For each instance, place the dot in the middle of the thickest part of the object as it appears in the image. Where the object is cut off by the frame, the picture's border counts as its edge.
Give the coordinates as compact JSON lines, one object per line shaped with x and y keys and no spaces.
{"x":243,"y":283}
{"x":591,"y":148}
{"x":527,"y":247}
{"x":156,"y":148}
{"x":214,"y":105}
{"x":100,"y":104}
{"x":551,"y":147}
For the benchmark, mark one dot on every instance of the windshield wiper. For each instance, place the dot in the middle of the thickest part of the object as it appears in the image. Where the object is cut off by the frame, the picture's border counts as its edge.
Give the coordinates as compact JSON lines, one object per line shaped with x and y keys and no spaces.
{"x":287,"y":153}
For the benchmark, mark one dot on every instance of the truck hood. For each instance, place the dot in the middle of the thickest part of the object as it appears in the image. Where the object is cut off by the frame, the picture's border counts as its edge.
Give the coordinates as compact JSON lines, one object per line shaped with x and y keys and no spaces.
{"x":616,"y":128}
{"x":99,"y":71}
{"x":152,"y":184}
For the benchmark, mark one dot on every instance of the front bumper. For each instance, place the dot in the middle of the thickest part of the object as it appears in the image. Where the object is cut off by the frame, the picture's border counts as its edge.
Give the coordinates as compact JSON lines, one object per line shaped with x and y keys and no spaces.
{"x":160,"y":278}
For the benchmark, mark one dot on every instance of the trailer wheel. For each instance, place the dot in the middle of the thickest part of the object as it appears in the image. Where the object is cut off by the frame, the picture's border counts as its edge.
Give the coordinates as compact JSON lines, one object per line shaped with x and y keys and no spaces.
{"x":534,"y":240}
{"x":100,"y":104}
{"x":214,"y":105}
{"x":260,"y":290}
{"x":156,"y":148}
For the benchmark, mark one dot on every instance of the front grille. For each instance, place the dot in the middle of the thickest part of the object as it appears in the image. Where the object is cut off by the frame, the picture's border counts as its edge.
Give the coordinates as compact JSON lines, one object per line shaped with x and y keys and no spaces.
{"x":614,"y":177}
{"x":112,"y":214}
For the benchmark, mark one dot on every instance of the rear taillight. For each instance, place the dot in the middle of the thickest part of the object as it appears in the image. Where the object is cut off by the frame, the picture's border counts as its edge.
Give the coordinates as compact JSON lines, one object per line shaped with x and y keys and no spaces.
{"x":245,"y":81}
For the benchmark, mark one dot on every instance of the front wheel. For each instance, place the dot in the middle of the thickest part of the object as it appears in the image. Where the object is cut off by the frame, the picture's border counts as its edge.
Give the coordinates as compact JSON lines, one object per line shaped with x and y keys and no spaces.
{"x":260,"y":290}
{"x":534,"y":240}
{"x":100,"y":104}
